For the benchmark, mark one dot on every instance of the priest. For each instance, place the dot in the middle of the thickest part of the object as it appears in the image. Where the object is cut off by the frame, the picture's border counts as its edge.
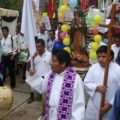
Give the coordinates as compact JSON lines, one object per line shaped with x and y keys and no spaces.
{"x":63,"y":88}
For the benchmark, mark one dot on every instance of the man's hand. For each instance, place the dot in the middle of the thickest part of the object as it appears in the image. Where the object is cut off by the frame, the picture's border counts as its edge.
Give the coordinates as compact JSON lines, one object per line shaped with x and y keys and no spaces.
{"x":32,"y":72}
{"x":106,"y":108}
{"x":101,"y":89}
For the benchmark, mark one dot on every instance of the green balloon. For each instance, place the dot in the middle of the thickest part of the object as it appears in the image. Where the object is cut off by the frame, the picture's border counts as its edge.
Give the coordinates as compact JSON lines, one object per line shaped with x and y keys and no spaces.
{"x":89,"y":18}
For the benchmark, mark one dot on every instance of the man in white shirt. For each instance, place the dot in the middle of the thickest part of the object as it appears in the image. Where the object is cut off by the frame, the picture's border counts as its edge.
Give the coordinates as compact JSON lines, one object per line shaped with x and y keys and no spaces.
{"x":43,"y":34}
{"x":21,"y":44}
{"x":22,"y":48}
{"x":51,"y":40}
{"x":116,"y":46}
{"x":58,"y":29}
{"x":9,"y":49}
{"x":63,"y":88}
{"x":41,"y":61}
{"x":93,"y":83}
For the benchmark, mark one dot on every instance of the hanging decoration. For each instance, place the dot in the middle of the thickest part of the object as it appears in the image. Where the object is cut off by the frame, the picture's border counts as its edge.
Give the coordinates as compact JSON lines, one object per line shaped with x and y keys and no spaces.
{"x":51,"y":8}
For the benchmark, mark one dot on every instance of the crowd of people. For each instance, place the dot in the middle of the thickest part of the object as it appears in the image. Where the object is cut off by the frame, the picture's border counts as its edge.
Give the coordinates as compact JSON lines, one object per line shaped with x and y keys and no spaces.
{"x":50,"y":73}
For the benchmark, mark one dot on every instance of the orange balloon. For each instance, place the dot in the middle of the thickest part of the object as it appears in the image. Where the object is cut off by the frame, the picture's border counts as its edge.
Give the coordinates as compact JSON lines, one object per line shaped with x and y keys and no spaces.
{"x":65,"y":2}
{"x":60,"y":16}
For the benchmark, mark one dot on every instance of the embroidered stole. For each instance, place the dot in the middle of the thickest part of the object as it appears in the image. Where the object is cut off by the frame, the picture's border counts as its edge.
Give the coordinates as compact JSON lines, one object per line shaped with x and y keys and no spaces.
{"x":66,"y":95}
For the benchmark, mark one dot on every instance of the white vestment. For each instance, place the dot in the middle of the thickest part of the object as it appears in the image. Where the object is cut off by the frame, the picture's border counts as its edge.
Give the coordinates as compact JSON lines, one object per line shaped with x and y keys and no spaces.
{"x":78,"y":104}
{"x":94,"y":78}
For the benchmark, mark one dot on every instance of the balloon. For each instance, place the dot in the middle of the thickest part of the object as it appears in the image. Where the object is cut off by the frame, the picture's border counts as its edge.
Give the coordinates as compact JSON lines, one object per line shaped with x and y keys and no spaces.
{"x":97,"y":19}
{"x":73,"y":3}
{"x":66,"y":41}
{"x":63,"y":8}
{"x":67,"y":49}
{"x":95,"y":31}
{"x":58,"y":45}
{"x":65,"y":2}
{"x":93,"y":25}
{"x":89,"y":18}
{"x":97,"y":38}
{"x":94,"y":46}
{"x":64,"y":28}
{"x":60,"y":16}
{"x":63,"y":35}
{"x":92,"y":55}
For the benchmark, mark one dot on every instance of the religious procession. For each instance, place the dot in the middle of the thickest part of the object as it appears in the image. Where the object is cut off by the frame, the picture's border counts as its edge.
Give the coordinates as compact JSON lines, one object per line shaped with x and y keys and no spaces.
{"x":63,"y":60}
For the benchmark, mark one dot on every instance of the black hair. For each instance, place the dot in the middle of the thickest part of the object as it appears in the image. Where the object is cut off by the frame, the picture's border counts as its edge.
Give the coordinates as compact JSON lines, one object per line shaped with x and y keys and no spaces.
{"x":5,"y":28}
{"x":103,"y":49}
{"x":60,"y":23}
{"x":117,"y":35}
{"x":41,"y":41}
{"x":52,"y":30}
{"x":36,"y":38}
{"x":62,"y":56}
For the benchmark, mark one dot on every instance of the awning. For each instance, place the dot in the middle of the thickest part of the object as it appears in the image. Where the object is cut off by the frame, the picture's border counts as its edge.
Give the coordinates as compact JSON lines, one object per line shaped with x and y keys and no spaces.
{"x":8,"y":13}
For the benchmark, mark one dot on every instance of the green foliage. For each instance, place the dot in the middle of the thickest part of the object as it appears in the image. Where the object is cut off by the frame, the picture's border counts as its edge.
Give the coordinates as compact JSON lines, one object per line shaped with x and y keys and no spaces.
{"x":11,"y":4}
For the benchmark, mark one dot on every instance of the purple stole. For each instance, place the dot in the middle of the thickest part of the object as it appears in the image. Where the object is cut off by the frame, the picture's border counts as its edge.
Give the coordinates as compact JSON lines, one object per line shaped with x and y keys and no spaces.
{"x":66,"y":95}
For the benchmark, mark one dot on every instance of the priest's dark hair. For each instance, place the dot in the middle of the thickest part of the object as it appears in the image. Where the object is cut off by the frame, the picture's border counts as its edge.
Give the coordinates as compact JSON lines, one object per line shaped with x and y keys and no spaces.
{"x":103,"y":49}
{"x":41,"y":41}
{"x":62,"y":56}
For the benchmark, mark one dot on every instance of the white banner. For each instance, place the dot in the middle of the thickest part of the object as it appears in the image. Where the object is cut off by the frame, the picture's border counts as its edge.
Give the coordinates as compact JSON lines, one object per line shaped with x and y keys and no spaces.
{"x":28,"y":27}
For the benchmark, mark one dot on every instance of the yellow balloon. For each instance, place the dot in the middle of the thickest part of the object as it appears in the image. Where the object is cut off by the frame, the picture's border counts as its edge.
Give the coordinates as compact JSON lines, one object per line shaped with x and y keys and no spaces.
{"x":64,"y":28}
{"x":97,"y":19}
{"x":94,"y":46}
{"x":66,"y":41}
{"x":63,"y":8}
{"x":93,"y":25}
{"x":92,"y":55}
{"x":97,"y":38}
{"x":65,"y":2}
{"x":67,"y":49}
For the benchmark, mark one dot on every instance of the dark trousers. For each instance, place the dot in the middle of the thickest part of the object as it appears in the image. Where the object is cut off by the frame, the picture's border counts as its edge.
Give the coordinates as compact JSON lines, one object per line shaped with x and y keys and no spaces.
{"x":115,"y":111}
{"x":10,"y":64}
{"x":24,"y":71}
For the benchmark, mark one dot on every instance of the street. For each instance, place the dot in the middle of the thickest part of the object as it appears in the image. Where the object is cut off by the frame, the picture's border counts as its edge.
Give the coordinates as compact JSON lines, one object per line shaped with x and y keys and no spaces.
{"x":21,"y":110}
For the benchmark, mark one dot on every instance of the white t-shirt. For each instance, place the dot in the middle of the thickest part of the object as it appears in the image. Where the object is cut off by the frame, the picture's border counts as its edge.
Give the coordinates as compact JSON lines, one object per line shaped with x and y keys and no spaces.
{"x":6,"y":45}
{"x":43,"y":36}
{"x":20,"y":42}
{"x":115,"y":50}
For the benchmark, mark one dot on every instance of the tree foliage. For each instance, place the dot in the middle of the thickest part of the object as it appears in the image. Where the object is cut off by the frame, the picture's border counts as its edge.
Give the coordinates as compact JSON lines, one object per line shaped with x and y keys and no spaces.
{"x":11,"y":4}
